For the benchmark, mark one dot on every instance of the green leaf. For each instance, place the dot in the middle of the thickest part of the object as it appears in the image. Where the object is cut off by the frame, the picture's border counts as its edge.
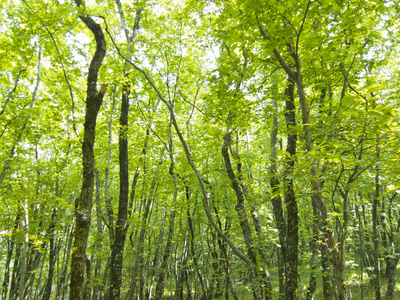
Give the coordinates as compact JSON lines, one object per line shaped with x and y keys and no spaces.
{"x":348,"y":100}
{"x":375,"y":87}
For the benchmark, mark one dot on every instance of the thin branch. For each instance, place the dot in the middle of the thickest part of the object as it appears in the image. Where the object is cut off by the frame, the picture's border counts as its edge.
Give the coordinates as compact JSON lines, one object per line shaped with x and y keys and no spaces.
{"x":67,"y":81}
{"x":301,"y":28}
{"x":194,"y":105}
{"x":348,"y":83}
{"x":8,"y":98}
{"x":151,"y":129}
{"x":134,"y":65}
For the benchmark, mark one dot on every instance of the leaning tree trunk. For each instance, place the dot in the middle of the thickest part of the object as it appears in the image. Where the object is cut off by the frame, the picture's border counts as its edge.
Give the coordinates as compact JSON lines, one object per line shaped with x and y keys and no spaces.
{"x":83,"y":204}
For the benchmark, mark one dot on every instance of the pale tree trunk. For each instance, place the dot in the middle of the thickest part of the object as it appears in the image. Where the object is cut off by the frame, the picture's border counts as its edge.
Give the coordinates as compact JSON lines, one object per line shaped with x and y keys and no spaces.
{"x":99,"y":240}
{"x":10,"y":249}
{"x":22,"y":274}
{"x":394,"y":258}
{"x":375,"y":235}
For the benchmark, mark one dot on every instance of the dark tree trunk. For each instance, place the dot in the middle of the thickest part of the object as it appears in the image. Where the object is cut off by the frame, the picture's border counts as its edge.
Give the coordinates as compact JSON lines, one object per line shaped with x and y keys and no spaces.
{"x":292,"y":235}
{"x":393,"y":261}
{"x":121,"y":225}
{"x":52,"y":257}
{"x":276,"y":201}
{"x":326,"y":273}
{"x":240,"y":209}
{"x":121,"y":228}
{"x":83,"y":204}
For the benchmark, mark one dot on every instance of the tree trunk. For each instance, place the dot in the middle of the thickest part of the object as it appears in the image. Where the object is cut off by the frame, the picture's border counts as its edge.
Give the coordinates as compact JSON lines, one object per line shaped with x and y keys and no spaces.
{"x":326,"y":273}
{"x":312,"y":285}
{"x":61,"y":276}
{"x":167,"y":251}
{"x":393,"y":261}
{"x":121,"y":228}
{"x":375,"y":207}
{"x":52,"y":256}
{"x":10,"y":249}
{"x":240,"y":209}
{"x":83,"y":204}
{"x":99,"y":240}
{"x":292,"y":235}
{"x":121,"y":225}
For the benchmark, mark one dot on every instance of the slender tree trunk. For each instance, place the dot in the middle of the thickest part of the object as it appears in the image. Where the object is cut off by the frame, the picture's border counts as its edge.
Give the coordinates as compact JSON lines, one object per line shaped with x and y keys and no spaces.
{"x":61,"y":276}
{"x":312,"y":285}
{"x":276,"y":201}
{"x":288,"y":232}
{"x":52,"y":257}
{"x":375,"y":207}
{"x":240,"y":209}
{"x":193,"y":251}
{"x":87,"y":290}
{"x":16,"y":273}
{"x":83,"y":204}
{"x":99,"y":240}
{"x":167,"y":251}
{"x":326,"y":273}
{"x":391,"y":277}
{"x":24,"y":256}
{"x":319,"y":201}
{"x":121,"y":225}
{"x":292,"y":235}
{"x":108,"y":205}
{"x":10,"y":249}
